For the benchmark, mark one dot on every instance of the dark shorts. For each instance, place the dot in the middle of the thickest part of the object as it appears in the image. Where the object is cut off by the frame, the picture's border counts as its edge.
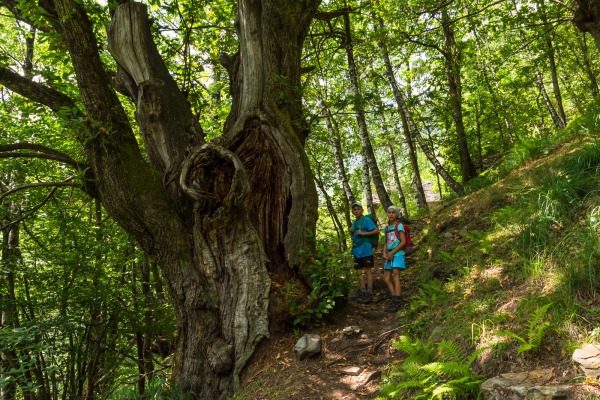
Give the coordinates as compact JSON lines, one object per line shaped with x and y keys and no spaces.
{"x":365,"y":262}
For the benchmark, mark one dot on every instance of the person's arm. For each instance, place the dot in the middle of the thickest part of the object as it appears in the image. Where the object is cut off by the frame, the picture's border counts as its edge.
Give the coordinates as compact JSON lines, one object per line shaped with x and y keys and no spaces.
{"x":402,"y":244}
{"x":369,"y":230}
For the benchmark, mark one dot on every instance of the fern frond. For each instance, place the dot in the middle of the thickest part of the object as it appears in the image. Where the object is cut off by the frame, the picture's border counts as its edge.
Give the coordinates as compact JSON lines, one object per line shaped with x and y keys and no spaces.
{"x":450,"y":351}
{"x":536,"y":318}
{"x":512,"y":335}
{"x":536,"y":339}
{"x":524,"y":347}
{"x":440,"y":391}
{"x":475,"y":354}
{"x":448,"y":369}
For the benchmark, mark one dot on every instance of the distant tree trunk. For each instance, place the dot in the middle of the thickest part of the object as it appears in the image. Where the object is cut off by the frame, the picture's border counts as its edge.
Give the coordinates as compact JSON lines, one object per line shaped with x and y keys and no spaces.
{"x":455,"y":186}
{"x":552,"y":65}
{"x":558,"y":122}
{"x":587,"y":65}
{"x":452,"y":61}
{"x":397,"y":180}
{"x":587,"y":18}
{"x":419,"y":192}
{"x":334,"y":139}
{"x":337,"y":225}
{"x":9,"y":318}
{"x":497,"y":103}
{"x":367,"y":185}
{"x":358,"y":102}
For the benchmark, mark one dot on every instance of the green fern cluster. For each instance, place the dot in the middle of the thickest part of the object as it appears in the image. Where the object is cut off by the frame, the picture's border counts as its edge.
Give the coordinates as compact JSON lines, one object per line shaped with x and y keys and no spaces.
{"x":535,"y":331}
{"x":432,"y":371}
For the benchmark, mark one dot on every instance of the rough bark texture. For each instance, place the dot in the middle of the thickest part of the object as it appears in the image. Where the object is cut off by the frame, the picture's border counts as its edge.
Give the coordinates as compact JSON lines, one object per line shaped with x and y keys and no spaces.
{"x":587,"y":18}
{"x":452,"y":62}
{"x":384,"y":198}
{"x":217,"y":217}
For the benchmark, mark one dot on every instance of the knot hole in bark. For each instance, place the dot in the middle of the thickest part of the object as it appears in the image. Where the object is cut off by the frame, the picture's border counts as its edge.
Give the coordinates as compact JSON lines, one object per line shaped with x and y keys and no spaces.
{"x":216,"y":179}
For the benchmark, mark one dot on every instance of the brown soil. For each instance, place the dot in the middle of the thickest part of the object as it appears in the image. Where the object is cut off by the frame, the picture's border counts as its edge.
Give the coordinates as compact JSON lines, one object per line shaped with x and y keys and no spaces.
{"x":275,"y":373}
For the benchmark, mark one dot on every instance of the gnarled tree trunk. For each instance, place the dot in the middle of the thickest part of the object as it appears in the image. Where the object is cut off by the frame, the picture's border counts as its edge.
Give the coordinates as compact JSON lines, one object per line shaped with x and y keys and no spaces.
{"x":217,"y":217}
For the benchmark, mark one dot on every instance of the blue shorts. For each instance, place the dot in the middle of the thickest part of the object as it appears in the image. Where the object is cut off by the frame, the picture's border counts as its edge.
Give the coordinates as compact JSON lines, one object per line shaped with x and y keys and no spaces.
{"x":397,"y":262}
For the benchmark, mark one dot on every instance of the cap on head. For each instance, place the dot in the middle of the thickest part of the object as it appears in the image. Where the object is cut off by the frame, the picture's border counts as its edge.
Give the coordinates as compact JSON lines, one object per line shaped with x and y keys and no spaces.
{"x":395,"y":209}
{"x":356,"y":204}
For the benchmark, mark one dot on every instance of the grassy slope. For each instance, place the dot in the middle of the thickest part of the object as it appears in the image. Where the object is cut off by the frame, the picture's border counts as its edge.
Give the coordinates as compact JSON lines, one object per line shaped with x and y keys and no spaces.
{"x":490,"y":260}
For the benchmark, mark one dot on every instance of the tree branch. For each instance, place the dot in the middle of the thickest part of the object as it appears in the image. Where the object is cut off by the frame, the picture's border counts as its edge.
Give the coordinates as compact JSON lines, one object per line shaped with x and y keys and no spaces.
{"x":6,"y":151}
{"x":39,"y":184}
{"x":42,"y":94}
{"x":11,"y":5}
{"x":329,"y":15}
{"x":34,"y":209}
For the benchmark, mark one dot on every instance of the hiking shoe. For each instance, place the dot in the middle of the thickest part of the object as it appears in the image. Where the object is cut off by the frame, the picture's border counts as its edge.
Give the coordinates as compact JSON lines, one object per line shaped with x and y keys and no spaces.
{"x":358,"y":296}
{"x":367,"y":298}
{"x":393,"y":306}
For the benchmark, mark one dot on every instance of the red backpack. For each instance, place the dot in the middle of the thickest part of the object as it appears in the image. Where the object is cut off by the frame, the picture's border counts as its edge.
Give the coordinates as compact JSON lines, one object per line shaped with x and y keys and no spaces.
{"x":408,"y":249}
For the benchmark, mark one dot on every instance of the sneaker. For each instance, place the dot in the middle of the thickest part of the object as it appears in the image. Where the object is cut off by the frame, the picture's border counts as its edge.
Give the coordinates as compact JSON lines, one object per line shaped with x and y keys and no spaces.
{"x":393,"y":306}
{"x":366,"y":299}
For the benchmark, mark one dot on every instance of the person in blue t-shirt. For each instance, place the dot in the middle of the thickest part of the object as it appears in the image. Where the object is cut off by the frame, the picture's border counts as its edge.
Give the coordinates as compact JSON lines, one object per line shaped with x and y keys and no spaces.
{"x":363,"y":252}
{"x":393,"y":254}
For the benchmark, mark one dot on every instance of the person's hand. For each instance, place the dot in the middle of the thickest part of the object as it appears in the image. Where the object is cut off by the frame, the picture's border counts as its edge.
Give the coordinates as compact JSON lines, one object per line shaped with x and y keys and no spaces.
{"x":389,"y":257}
{"x":351,"y":229}
{"x":360,"y":232}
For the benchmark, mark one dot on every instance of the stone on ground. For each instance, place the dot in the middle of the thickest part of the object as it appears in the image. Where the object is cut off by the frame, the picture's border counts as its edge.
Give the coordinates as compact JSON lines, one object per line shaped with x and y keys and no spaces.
{"x":353,"y":371}
{"x":351,"y":330}
{"x":588,"y":358}
{"x":533,"y":385}
{"x":309,"y":345}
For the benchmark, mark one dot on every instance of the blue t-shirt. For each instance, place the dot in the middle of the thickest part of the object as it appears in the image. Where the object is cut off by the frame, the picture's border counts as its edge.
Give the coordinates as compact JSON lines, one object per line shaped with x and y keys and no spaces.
{"x":363,"y":249}
{"x":392,"y":240}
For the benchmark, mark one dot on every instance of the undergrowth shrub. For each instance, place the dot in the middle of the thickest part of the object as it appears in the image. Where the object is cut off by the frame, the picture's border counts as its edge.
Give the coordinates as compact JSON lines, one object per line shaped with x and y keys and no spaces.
{"x":432,"y":371}
{"x":331,"y":275}
{"x":534,"y":332}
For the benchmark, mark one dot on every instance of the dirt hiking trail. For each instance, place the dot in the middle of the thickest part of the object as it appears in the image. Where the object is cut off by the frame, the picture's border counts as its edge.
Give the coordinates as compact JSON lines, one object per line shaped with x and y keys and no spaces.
{"x":351,"y":363}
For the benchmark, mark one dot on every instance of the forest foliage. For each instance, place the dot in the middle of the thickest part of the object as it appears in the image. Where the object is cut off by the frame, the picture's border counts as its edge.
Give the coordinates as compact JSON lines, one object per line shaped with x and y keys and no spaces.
{"x":480,"y":86}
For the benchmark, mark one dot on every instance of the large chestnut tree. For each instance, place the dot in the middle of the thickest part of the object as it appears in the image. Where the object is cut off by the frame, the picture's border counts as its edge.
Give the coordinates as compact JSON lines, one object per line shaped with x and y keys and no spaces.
{"x":220,"y":217}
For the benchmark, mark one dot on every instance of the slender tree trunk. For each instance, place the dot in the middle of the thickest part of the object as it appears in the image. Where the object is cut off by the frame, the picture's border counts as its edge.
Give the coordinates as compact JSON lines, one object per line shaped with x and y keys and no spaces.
{"x":397,"y":180}
{"x":334,"y":139}
{"x":147,"y":360}
{"x":358,"y":102}
{"x":452,"y":62}
{"x":337,"y":225}
{"x":497,"y":102}
{"x":367,"y":186}
{"x":9,"y":318}
{"x":587,"y":66}
{"x":552,"y":64}
{"x":558,"y":122}
{"x":455,"y":186}
{"x":402,"y":109}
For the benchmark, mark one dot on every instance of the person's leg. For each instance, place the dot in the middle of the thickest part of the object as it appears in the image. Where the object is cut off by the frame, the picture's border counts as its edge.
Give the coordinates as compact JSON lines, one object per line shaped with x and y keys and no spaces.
{"x":387,"y":274}
{"x":358,"y":266}
{"x":396,"y":282}
{"x":369,"y":274}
